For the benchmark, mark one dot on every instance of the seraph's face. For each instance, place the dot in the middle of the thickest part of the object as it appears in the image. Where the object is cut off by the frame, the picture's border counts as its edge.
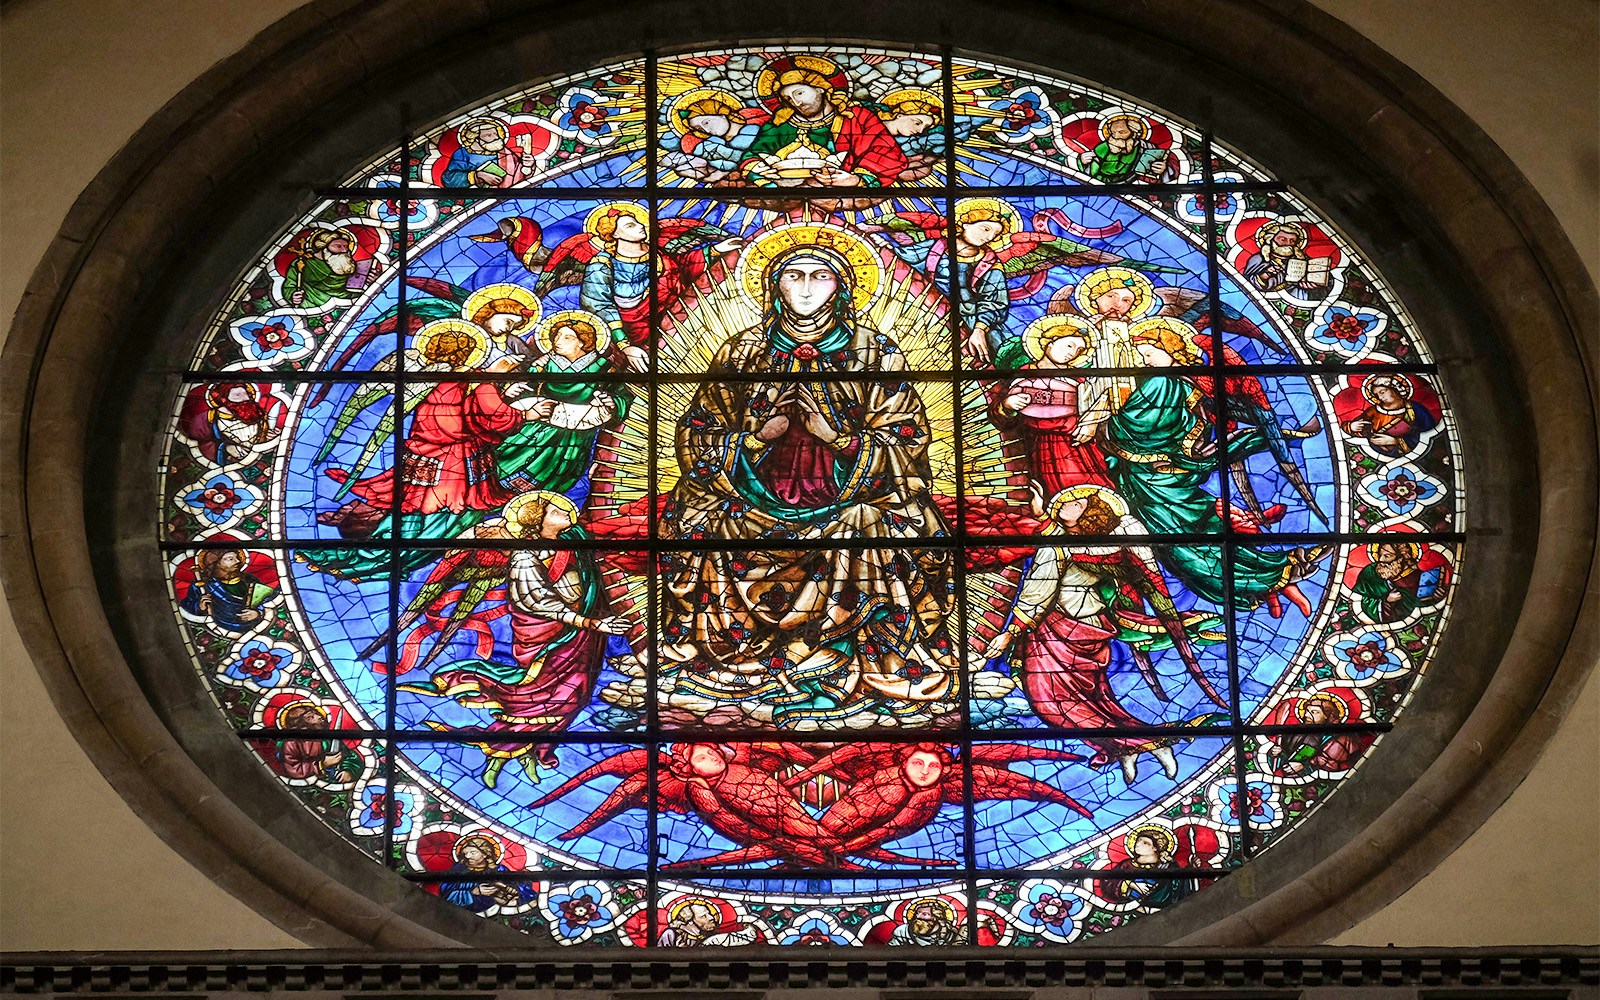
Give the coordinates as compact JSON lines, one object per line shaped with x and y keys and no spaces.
{"x":807,"y":287}
{"x":923,"y":769}
{"x":706,"y":760}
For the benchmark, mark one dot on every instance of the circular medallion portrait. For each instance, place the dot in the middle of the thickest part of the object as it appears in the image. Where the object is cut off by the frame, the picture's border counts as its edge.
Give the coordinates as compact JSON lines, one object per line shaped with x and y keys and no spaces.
{"x":803,"y":496}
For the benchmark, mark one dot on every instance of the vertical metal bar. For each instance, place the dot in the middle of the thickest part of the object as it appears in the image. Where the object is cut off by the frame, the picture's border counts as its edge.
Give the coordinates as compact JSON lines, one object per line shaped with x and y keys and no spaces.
{"x":652,"y":478}
{"x":958,"y":567}
{"x":397,"y":491}
{"x":1220,"y":403}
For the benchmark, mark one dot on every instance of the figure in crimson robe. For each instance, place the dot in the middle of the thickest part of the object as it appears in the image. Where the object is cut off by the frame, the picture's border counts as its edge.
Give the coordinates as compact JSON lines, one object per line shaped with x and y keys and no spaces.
{"x":560,"y":620}
{"x":448,"y":478}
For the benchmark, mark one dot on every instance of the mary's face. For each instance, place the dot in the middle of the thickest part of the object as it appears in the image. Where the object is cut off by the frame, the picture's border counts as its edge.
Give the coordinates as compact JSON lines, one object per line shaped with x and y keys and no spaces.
{"x":807,"y":287}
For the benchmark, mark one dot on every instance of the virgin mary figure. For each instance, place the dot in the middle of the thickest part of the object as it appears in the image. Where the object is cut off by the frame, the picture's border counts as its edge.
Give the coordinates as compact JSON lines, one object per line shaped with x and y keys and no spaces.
{"x":783,"y":444}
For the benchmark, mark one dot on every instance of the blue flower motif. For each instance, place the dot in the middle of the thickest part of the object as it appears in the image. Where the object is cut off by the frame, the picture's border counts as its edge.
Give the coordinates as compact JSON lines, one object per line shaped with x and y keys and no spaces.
{"x":369,"y":814}
{"x":580,"y":908}
{"x":582,"y":112}
{"x":260,"y":664}
{"x":1402,"y":490}
{"x":1258,"y":800}
{"x":1364,"y":656}
{"x":277,"y":336}
{"x":220,"y":499}
{"x":815,"y":930}
{"x":1049,"y":907}
{"x":1026,"y":113}
{"x":1346,"y":329}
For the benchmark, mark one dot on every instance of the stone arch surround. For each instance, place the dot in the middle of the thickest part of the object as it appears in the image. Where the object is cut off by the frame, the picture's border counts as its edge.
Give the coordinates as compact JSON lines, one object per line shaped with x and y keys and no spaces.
{"x":1477,"y":239}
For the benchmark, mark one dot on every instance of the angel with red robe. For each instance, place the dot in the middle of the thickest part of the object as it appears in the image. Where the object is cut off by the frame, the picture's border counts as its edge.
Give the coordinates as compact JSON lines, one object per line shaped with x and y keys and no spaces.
{"x":1073,"y":603}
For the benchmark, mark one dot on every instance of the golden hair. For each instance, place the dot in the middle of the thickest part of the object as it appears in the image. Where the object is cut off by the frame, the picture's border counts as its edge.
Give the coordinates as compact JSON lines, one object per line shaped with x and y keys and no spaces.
{"x":707,"y":106}
{"x":1169,"y":335}
{"x":510,"y":307}
{"x":1335,"y":708}
{"x":588,"y":336}
{"x":450,"y":347}
{"x":1098,"y":518}
{"x":979,"y":213}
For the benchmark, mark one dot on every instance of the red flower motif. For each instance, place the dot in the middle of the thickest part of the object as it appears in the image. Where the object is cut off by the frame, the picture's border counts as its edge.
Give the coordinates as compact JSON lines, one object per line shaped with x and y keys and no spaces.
{"x":815,"y":937}
{"x":379,"y":807}
{"x":1050,"y":908}
{"x":588,"y":116}
{"x":260,"y":663}
{"x":1402,"y":489}
{"x":1347,"y":328}
{"x":579,"y":910}
{"x":1021,"y":113}
{"x":273,"y":336}
{"x":1248,"y":803}
{"x":1366,"y":654}
{"x":219,"y":498}
{"x":807,"y":352}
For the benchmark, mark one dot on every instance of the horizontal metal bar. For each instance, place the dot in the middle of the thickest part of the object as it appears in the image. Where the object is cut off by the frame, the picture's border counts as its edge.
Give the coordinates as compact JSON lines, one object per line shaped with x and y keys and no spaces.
{"x":952,"y":541}
{"x":941,"y":874}
{"x":909,"y":375}
{"x":747,"y":734}
{"x":669,"y":193}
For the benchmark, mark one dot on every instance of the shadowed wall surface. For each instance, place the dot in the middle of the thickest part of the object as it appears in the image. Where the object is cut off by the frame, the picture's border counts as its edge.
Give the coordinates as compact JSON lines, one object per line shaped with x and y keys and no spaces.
{"x":82,"y":872}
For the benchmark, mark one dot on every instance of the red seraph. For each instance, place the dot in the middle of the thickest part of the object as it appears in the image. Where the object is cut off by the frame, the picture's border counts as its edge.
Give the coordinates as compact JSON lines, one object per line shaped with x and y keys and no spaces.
{"x":751,"y":793}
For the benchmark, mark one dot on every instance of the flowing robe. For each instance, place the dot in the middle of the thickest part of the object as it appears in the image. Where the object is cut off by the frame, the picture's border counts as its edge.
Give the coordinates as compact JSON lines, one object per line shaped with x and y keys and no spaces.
{"x":1151,"y":443}
{"x":868,"y":150}
{"x":985,"y":299}
{"x":448,"y":481}
{"x":817,"y":634}
{"x":555,"y":660}
{"x":555,"y":454}
{"x":1065,"y":605}
{"x":1046,"y":426}
{"x":229,"y":599}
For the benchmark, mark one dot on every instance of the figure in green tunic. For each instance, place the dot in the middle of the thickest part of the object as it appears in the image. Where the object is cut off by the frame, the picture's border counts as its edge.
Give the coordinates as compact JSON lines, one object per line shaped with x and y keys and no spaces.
{"x":1161,"y":448}
{"x":1124,"y":152}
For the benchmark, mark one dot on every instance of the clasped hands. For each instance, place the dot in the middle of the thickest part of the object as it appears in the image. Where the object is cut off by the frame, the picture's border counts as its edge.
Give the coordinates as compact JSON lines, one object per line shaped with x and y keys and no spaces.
{"x":798,"y":400}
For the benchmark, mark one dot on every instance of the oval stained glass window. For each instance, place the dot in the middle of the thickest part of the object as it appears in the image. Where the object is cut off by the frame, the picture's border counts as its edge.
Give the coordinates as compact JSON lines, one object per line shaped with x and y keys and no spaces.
{"x":812,"y":496}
